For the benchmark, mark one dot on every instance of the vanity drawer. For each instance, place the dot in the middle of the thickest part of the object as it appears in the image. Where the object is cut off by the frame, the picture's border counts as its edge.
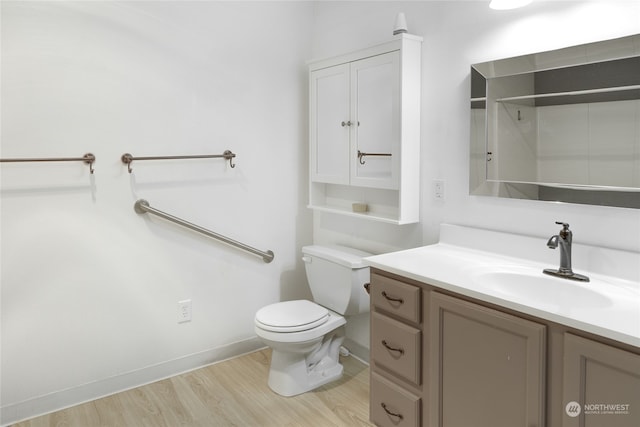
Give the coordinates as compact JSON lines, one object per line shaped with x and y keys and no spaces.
{"x":396,"y":347}
{"x":394,"y":296}
{"x":392,"y":406}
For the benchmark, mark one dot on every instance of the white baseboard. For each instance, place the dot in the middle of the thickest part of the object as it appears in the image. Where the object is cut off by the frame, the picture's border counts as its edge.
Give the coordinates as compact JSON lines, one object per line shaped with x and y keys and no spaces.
{"x":62,"y":399}
{"x":360,"y":352}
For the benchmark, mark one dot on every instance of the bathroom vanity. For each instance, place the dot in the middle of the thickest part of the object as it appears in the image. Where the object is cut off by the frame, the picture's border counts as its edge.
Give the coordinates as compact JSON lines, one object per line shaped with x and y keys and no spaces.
{"x":465,"y":336}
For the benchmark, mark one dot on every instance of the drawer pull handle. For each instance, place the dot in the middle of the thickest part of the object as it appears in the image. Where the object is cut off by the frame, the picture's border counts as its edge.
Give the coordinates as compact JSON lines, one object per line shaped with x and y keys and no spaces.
{"x":399,"y":350}
{"x":393,"y":414}
{"x":400,"y":300}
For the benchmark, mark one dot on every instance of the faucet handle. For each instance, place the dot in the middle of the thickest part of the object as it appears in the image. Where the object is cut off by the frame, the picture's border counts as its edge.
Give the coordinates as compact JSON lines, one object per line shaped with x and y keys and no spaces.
{"x":565,"y":233}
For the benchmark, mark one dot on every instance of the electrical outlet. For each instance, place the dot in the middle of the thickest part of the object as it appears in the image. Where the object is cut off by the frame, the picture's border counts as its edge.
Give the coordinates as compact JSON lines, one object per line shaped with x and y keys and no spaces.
{"x":438,"y":189}
{"x":184,"y":311}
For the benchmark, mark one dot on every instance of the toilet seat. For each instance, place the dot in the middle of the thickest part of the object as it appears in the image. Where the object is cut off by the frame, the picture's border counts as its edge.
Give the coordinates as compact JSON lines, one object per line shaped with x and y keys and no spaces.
{"x":291,"y":316}
{"x":273,"y":338}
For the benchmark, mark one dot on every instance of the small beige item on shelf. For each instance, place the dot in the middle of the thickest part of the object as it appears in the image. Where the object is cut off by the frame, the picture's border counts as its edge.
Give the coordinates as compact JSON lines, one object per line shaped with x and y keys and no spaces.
{"x":360,"y":207}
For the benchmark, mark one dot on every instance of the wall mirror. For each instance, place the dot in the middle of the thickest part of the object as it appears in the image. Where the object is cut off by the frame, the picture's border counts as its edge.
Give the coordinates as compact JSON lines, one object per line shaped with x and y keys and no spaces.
{"x":562,"y":125}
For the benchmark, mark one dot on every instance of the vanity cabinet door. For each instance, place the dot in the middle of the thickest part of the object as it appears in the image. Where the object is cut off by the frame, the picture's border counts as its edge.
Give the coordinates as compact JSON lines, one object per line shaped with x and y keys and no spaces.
{"x":601,"y":385}
{"x":487,"y":367}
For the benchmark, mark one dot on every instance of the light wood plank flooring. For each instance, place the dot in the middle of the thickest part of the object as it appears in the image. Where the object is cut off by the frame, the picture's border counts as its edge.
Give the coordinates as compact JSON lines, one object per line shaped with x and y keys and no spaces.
{"x":231,"y":393}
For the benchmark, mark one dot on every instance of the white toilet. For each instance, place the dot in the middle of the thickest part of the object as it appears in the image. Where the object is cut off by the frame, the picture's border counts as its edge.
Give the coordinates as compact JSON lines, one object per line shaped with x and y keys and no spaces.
{"x":306,"y":336}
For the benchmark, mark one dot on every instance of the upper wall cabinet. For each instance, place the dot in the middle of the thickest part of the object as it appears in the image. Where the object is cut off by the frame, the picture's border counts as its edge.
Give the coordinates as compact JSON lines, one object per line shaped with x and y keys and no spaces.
{"x":355,"y":122}
{"x":365,"y":132}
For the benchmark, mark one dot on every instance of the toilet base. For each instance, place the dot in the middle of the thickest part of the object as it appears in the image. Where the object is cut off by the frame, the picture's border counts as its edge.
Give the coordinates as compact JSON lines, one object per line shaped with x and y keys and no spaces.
{"x":291,"y":374}
{"x":287,"y":385}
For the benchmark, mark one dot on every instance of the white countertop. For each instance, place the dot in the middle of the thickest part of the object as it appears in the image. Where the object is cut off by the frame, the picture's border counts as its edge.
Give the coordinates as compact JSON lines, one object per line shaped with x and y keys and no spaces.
{"x":607,"y":306}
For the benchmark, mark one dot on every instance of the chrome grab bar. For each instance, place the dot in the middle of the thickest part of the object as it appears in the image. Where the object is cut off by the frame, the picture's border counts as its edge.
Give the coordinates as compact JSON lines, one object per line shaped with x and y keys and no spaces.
{"x":142,"y":206}
{"x":128,"y":158}
{"x":87,"y":158}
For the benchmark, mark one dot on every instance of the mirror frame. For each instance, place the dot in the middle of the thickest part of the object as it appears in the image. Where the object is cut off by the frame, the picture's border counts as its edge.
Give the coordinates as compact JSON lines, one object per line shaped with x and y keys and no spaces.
{"x":479,"y":184}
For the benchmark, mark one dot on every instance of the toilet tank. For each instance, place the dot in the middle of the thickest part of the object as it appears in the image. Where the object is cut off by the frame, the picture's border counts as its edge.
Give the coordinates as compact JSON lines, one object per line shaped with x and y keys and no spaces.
{"x":336,"y":276}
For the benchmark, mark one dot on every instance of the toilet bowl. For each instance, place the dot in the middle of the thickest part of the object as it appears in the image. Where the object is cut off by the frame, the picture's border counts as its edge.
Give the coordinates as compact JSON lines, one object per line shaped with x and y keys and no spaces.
{"x":305,"y":336}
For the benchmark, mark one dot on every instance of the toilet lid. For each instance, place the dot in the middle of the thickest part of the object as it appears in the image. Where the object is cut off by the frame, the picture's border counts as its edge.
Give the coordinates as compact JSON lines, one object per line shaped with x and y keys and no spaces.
{"x":291,"y":316}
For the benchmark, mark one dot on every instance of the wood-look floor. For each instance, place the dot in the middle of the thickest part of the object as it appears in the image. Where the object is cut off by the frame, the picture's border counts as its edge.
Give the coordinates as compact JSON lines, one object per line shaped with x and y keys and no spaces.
{"x":231,"y":393}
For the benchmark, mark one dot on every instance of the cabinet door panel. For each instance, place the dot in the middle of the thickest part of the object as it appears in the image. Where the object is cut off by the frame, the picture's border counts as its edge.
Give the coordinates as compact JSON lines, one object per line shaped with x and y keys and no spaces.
{"x":597,"y":375}
{"x":488,"y":367}
{"x":375,"y":86}
{"x":329,"y":104}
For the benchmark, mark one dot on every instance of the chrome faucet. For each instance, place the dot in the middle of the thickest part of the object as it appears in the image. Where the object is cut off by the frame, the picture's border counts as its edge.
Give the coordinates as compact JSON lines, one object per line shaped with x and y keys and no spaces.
{"x":563,"y":240}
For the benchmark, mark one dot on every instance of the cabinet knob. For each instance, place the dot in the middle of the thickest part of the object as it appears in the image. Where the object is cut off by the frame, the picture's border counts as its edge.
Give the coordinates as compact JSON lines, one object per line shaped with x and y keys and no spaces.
{"x":346,"y":123}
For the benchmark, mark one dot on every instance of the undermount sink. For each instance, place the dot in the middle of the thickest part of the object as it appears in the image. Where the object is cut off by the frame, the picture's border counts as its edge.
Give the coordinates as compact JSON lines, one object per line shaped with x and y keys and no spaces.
{"x":532,"y":286}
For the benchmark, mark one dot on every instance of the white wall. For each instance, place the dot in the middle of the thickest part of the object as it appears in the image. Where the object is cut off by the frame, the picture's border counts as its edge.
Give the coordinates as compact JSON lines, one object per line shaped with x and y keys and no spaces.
{"x":89,"y":288}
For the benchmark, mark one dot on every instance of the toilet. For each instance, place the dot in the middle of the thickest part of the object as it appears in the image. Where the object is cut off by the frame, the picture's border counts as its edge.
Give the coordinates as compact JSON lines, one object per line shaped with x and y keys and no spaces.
{"x":305,"y":336}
